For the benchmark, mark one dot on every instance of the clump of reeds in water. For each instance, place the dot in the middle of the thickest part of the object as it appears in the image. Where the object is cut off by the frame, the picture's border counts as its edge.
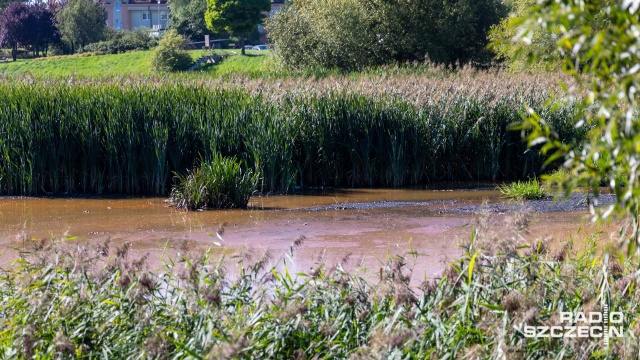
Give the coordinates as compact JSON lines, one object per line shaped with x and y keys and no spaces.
{"x":219,"y":183}
{"x":530,"y":189}
{"x":73,"y":300}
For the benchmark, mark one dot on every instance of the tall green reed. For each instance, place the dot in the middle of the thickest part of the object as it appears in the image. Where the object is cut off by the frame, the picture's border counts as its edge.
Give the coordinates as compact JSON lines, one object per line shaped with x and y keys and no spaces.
{"x":85,"y":137}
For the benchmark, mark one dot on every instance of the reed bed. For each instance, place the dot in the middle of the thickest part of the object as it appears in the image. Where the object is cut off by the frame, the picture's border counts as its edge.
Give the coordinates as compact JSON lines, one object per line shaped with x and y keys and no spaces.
{"x":129,"y":135}
{"x":67,"y":300}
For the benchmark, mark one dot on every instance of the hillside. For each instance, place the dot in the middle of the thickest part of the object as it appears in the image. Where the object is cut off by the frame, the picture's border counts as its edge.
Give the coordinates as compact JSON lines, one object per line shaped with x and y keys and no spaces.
{"x":131,"y":63}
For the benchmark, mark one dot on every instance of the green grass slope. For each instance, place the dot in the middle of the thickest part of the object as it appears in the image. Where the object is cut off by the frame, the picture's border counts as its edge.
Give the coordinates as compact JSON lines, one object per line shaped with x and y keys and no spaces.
{"x":133,"y":63}
{"x":137,"y":62}
{"x":255,"y":63}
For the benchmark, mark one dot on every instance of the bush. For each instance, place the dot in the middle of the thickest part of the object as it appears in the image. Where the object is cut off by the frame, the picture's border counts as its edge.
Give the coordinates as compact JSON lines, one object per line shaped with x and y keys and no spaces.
{"x":170,"y":54}
{"x":217,"y":184}
{"x":58,"y":49}
{"x":119,"y":41}
{"x":529,"y":190}
{"x":304,"y":34}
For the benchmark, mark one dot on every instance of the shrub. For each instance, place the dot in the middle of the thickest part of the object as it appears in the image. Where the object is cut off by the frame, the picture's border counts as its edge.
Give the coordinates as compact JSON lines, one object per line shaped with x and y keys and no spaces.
{"x":170,"y":54}
{"x":119,"y":41}
{"x":304,"y":34}
{"x":530,"y":189}
{"x":58,"y":49}
{"x":217,"y":184}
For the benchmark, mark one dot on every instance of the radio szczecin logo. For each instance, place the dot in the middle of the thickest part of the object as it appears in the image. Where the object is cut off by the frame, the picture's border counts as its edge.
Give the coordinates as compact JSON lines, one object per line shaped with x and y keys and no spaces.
{"x":592,"y":325}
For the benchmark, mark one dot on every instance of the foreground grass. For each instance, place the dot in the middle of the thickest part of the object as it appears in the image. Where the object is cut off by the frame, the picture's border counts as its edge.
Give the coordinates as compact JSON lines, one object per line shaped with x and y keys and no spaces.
{"x":81,"y":301}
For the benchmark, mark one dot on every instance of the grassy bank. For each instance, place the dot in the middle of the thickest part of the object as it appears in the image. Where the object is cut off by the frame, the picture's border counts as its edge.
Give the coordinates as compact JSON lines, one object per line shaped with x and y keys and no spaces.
{"x":72,"y":300}
{"x":254,"y":64}
{"x":90,"y":65}
{"x":131,"y":63}
{"x":106,"y":137}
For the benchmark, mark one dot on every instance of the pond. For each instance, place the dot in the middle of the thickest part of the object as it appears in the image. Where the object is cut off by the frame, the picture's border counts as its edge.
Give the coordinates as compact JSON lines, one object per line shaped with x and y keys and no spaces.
{"x":366,"y":224}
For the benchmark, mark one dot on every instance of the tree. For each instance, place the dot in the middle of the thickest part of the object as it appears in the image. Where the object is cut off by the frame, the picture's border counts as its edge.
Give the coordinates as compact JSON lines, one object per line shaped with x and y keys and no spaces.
{"x":540,"y":51}
{"x":81,"y":22}
{"x":42,"y":25}
{"x":13,"y":28}
{"x":23,"y":24}
{"x":187,"y":18}
{"x":598,"y":43}
{"x":356,"y":33}
{"x":447,"y":32}
{"x":236,"y":16}
{"x":327,"y":33}
{"x":516,"y":55}
{"x":170,"y":55}
{"x":4,"y":3}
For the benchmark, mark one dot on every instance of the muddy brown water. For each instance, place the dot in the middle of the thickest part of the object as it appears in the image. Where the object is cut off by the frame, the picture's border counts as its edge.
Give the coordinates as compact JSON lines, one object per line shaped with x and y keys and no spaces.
{"x":368,"y":234}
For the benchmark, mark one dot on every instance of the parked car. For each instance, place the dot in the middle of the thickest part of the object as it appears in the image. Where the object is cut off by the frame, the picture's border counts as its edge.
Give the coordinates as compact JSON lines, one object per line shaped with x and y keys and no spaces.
{"x":260,"y":47}
{"x":248,"y":47}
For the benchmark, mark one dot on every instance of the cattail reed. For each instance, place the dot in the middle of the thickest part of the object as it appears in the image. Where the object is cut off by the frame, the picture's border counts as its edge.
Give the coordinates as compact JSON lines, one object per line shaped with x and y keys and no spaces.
{"x":130,"y":136}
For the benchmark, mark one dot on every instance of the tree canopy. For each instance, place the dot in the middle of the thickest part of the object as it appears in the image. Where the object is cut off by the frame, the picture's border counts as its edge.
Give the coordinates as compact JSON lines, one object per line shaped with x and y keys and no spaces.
{"x":4,"y":3}
{"x":236,"y":16}
{"x":27,"y":24}
{"x":358,"y":33}
{"x":81,"y":22}
{"x":187,"y":18}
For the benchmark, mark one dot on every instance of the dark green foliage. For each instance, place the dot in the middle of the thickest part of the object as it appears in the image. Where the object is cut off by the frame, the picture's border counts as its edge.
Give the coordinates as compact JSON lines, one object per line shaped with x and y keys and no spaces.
{"x":447,"y":32}
{"x":219,"y":183}
{"x":107,"y":138}
{"x":187,"y":18}
{"x":75,"y":300}
{"x":352,"y":34}
{"x":23,"y":24}
{"x":239,"y":17}
{"x":120,"y":41}
{"x":170,"y":54}
{"x":81,"y":22}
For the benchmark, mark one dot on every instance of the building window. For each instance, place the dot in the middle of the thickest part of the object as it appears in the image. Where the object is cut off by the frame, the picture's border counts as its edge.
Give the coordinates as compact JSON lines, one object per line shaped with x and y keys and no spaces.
{"x":145,"y":16}
{"x":118,"y":25}
{"x":117,"y":5}
{"x":163,"y":16}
